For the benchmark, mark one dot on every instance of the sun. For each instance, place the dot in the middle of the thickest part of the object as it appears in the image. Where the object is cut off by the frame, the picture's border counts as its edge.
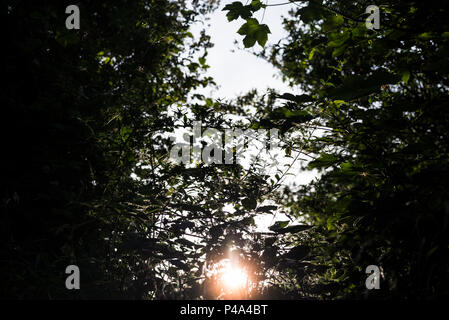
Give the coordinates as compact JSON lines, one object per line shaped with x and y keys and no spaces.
{"x":231,"y":277}
{"x":234,"y":277}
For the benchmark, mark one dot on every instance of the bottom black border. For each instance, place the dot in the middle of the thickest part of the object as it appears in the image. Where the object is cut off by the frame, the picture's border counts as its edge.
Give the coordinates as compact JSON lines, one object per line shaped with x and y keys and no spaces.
{"x":228,"y":309}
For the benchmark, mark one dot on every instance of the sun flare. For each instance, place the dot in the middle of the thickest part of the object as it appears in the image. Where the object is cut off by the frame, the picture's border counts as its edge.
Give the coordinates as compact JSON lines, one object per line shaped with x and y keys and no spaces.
{"x":234,"y":277}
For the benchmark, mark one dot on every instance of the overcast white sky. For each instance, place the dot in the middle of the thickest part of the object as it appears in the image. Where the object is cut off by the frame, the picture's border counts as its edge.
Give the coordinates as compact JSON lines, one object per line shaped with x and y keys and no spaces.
{"x":240,"y":71}
{"x":237,"y":70}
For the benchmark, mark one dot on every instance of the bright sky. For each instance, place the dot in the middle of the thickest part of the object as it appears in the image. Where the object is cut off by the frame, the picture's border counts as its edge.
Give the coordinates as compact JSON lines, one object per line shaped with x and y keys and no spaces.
{"x":237,"y":70}
{"x":240,"y":71}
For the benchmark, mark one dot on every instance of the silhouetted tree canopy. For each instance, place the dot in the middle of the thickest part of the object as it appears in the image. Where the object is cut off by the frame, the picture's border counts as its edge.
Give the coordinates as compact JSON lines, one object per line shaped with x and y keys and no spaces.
{"x":86,"y":178}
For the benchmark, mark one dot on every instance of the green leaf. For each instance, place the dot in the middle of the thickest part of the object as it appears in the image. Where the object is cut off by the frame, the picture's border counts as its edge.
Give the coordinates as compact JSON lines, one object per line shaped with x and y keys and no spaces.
{"x":325,"y":160}
{"x":296,"y":98}
{"x":293,"y":229}
{"x":262,"y":35}
{"x":297,"y":253}
{"x":426,"y":35}
{"x":249,"y":41}
{"x":243,"y":30}
{"x":312,"y":52}
{"x":256,"y":5}
{"x":338,"y":51}
{"x":310,"y":13}
{"x":249,"y":203}
{"x":253,"y":31}
{"x":278,"y":225}
{"x":339,"y":40}
{"x":332,"y":23}
{"x":267,"y":209}
{"x":358,"y":86}
{"x":346,"y":166}
{"x":237,"y":9}
{"x":405,"y":76}
{"x":297,"y":116}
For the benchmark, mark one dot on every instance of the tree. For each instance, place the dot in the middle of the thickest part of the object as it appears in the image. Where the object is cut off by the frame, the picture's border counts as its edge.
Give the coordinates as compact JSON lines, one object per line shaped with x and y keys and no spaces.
{"x":379,"y":99}
{"x":81,"y":104}
{"x":88,"y":181}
